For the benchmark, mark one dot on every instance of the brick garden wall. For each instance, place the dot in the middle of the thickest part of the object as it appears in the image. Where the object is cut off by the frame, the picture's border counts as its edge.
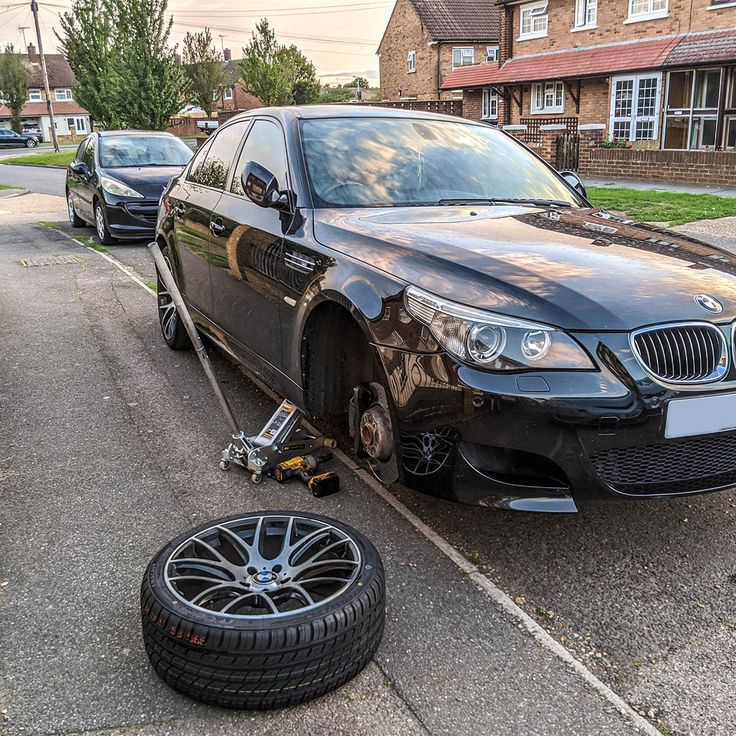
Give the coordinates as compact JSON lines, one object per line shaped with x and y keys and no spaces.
{"x":695,"y":167}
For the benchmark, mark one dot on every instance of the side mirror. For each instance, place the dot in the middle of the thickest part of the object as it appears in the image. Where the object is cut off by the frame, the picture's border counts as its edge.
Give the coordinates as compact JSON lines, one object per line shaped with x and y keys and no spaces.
{"x":575,"y":182}
{"x":79,"y":168}
{"x":260,"y":185}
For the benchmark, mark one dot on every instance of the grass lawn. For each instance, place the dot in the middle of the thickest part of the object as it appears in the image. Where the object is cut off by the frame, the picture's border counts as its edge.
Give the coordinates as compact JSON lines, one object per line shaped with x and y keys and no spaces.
{"x":61,"y":159}
{"x":7,"y":186}
{"x":671,"y":207}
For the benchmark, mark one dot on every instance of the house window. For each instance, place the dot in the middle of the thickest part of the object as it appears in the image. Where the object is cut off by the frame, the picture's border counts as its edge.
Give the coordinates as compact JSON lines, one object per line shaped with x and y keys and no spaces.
{"x":34,"y":95}
{"x":548,"y":97}
{"x":411,"y":62}
{"x":586,"y":13}
{"x":691,"y":113}
{"x":491,"y":53}
{"x":489,"y":108}
{"x":533,"y":20}
{"x":228,"y":94}
{"x":63,"y":95}
{"x":462,"y":56}
{"x":635,"y":107}
{"x":646,"y":10}
{"x":81,"y":125}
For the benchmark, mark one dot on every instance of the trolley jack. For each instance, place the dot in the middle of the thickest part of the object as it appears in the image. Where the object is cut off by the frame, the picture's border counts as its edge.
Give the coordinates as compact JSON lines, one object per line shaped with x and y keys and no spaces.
{"x":282,"y":449}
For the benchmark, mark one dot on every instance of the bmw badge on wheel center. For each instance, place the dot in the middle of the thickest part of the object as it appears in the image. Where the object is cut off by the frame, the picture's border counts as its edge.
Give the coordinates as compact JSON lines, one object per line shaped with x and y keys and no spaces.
{"x":435,"y":290}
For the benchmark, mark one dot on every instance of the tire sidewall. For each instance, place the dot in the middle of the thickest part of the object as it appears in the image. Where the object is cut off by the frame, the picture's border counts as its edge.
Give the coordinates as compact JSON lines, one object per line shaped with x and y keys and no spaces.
{"x":371,"y":566}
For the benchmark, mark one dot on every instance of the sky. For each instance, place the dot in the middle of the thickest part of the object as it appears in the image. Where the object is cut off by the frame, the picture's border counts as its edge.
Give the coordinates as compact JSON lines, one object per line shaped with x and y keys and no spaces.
{"x":340,"y":37}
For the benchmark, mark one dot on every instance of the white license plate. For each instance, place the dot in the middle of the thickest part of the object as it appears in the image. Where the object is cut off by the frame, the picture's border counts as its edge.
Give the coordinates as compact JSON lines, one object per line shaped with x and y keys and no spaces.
{"x":701,"y":415}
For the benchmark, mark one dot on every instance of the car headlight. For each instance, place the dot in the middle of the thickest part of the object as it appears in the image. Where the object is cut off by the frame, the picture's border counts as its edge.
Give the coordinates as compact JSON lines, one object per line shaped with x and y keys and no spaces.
{"x":117,"y":188}
{"x":494,"y":341}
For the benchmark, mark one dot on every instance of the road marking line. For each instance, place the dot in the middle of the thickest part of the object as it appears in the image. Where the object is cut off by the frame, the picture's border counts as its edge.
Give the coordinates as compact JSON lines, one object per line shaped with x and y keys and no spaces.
{"x":498,"y":596}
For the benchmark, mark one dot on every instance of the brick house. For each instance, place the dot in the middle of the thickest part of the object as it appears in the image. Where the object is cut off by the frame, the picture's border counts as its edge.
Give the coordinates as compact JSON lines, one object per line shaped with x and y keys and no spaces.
{"x":71,"y":119}
{"x":234,"y":97}
{"x":426,"y":40}
{"x":657,"y":74}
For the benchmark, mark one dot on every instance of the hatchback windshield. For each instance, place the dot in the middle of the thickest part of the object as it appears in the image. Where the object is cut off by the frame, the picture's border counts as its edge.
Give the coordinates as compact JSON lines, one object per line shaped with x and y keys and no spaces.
{"x":138,"y":150}
{"x":370,"y":162}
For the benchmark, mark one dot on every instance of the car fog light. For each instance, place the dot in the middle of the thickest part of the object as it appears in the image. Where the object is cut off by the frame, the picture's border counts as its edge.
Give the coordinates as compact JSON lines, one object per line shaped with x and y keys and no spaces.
{"x":486,"y":342}
{"x":535,"y":344}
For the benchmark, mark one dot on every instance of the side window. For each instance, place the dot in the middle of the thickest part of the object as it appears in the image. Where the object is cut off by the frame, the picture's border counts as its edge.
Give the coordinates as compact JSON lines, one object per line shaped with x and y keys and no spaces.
{"x":264,"y":146}
{"x":89,"y":154}
{"x":211,"y":167}
{"x":79,"y":156}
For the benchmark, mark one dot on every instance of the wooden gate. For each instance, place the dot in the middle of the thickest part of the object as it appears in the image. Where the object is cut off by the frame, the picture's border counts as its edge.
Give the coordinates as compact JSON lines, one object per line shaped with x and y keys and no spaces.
{"x":568,"y":152}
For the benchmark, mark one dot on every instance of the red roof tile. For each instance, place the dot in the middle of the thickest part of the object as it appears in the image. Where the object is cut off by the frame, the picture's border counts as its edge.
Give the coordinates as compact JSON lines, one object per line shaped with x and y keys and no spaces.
{"x":34,"y":109}
{"x":704,"y":48}
{"x":573,"y":64}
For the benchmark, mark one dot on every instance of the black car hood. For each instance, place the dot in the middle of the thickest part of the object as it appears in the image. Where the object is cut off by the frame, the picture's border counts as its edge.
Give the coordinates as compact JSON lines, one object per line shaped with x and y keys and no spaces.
{"x":150,"y":181}
{"x":576,"y":269}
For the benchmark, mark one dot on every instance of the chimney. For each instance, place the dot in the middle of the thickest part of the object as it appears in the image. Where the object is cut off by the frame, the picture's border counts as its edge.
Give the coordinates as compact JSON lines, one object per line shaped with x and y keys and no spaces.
{"x":32,"y":55}
{"x":226,"y":54}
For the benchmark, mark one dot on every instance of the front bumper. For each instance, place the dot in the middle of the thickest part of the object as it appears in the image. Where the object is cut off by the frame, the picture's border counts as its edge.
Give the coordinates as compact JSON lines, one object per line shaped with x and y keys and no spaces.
{"x":548,"y":441}
{"x":131,"y":218}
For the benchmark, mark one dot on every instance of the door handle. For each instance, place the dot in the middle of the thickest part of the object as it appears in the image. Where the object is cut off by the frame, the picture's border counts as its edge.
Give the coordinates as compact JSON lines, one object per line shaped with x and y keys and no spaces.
{"x":179,"y":211}
{"x":217,"y":227}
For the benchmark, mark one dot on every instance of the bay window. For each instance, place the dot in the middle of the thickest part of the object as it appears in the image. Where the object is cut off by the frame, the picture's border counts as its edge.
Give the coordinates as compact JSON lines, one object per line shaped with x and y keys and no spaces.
{"x":635,"y":107}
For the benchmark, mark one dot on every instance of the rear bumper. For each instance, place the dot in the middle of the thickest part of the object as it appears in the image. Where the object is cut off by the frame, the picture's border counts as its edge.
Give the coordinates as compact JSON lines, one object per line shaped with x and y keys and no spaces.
{"x":548,"y":441}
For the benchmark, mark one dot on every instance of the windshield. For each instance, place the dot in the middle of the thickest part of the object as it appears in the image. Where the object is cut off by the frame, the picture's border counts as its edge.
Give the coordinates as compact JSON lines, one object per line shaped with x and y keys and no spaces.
{"x":383,"y":162}
{"x":139,"y":150}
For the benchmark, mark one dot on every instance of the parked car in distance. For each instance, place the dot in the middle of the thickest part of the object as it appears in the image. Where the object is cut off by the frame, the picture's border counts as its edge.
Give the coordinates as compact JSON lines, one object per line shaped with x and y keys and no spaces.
{"x":481,"y":330}
{"x":116,"y":179}
{"x":33,"y":130}
{"x":11,"y":139}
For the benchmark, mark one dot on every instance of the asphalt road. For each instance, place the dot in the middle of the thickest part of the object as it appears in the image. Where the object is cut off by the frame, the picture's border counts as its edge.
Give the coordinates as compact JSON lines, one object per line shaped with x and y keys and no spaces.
{"x":109,"y":446}
{"x":41,"y":179}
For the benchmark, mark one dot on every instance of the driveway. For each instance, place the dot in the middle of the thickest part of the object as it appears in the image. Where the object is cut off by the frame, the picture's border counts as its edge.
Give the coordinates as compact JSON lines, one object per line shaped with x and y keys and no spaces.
{"x":126,"y":438}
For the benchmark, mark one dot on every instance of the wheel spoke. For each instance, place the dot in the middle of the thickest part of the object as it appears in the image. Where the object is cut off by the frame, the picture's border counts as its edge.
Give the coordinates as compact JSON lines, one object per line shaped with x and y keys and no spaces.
{"x":199,"y":562}
{"x":319,"y":553}
{"x":302,"y":545}
{"x":240,"y":599}
{"x":210,"y":549}
{"x":200,"y":596}
{"x":303,"y":593}
{"x":241,"y":546}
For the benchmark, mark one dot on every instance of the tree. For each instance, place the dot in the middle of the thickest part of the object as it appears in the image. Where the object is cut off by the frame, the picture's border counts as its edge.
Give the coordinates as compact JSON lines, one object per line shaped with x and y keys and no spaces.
{"x":262,"y":74}
{"x":277,"y":75}
{"x":300,"y":74}
{"x":88,"y":43}
{"x":13,"y":84}
{"x":127,"y":74}
{"x":150,"y":80}
{"x":203,"y":71}
{"x":361,"y":82}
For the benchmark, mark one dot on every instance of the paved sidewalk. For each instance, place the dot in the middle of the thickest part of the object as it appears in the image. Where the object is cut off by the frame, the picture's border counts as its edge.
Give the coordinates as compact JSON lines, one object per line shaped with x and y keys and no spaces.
{"x":661,"y":186}
{"x":110,"y":444}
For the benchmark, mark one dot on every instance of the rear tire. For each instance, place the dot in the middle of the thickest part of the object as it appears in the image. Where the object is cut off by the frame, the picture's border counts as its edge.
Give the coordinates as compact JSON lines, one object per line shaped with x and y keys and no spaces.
{"x":103,"y":233}
{"x":172,"y":328}
{"x":74,"y":218}
{"x":30,"y":143}
{"x":259,"y":661}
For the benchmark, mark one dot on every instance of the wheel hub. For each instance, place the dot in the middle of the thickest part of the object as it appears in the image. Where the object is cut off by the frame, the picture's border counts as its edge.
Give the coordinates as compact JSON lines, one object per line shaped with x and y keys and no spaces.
{"x":376,"y":434}
{"x":265,"y":577}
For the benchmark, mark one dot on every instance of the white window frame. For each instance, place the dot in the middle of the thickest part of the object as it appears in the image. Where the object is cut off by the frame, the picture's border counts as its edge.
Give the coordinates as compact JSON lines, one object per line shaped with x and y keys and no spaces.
{"x":635,"y":78}
{"x":461,"y":50}
{"x":538,"y":9}
{"x":34,"y":95}
{"x":547,"y":88}
{"x":63,"y":94}
{"x":492,"y":51}
{"x":650,"y":14}
{"x":489,"y":104}
{"x":586,"y":15}
{"x":227,"y":93}
{"x":83,"y":128}
{"x":411,"y":62}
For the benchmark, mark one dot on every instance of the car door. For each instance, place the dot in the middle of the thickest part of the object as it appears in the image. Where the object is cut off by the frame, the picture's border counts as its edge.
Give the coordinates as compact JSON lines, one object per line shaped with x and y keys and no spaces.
{"x":5,"y":138}
{"x":246,"y":250}
{"x":72,"y":178}
{"x":85,"y":181}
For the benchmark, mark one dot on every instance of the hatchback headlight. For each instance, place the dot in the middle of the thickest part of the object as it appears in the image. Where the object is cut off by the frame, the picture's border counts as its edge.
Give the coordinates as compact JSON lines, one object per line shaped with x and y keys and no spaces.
{"x":117,"y":188}
{"x":493,"y":341}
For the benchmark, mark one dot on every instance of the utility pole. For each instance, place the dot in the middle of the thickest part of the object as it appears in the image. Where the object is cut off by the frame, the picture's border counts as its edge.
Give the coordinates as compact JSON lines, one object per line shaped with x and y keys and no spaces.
{"x":49,"y":107}
{"x":23,"y":30}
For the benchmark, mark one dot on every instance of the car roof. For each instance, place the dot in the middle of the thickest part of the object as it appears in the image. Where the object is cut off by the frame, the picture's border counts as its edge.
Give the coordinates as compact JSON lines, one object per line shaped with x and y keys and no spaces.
{"x":311,"y":112}
{"x":110,"y":133}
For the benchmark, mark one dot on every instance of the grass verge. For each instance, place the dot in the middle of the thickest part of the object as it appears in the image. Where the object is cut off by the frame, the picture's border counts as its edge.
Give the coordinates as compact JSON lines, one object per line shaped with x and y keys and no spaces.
{"x":85,"y":240}
{"x":8,"y":186}
{"x":58,"y":160}
{"x":671,"y":207}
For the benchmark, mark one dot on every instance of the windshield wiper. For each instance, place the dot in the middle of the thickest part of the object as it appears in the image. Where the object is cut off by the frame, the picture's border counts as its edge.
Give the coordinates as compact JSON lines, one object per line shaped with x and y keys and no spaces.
{"x":531,"y":202}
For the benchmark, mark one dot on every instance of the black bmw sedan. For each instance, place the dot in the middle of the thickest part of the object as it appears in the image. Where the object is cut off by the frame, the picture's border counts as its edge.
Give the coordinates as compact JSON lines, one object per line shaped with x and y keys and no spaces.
{"x":482,"y":332}
{"x":116,"y":179}
{"x":11,"y":139}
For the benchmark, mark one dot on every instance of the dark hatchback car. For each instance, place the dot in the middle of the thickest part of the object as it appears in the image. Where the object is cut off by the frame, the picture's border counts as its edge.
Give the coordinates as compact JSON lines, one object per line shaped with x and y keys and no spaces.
{"x":11,"y":139}
{"x":116,"y":179}
{"x":484,"y":332}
